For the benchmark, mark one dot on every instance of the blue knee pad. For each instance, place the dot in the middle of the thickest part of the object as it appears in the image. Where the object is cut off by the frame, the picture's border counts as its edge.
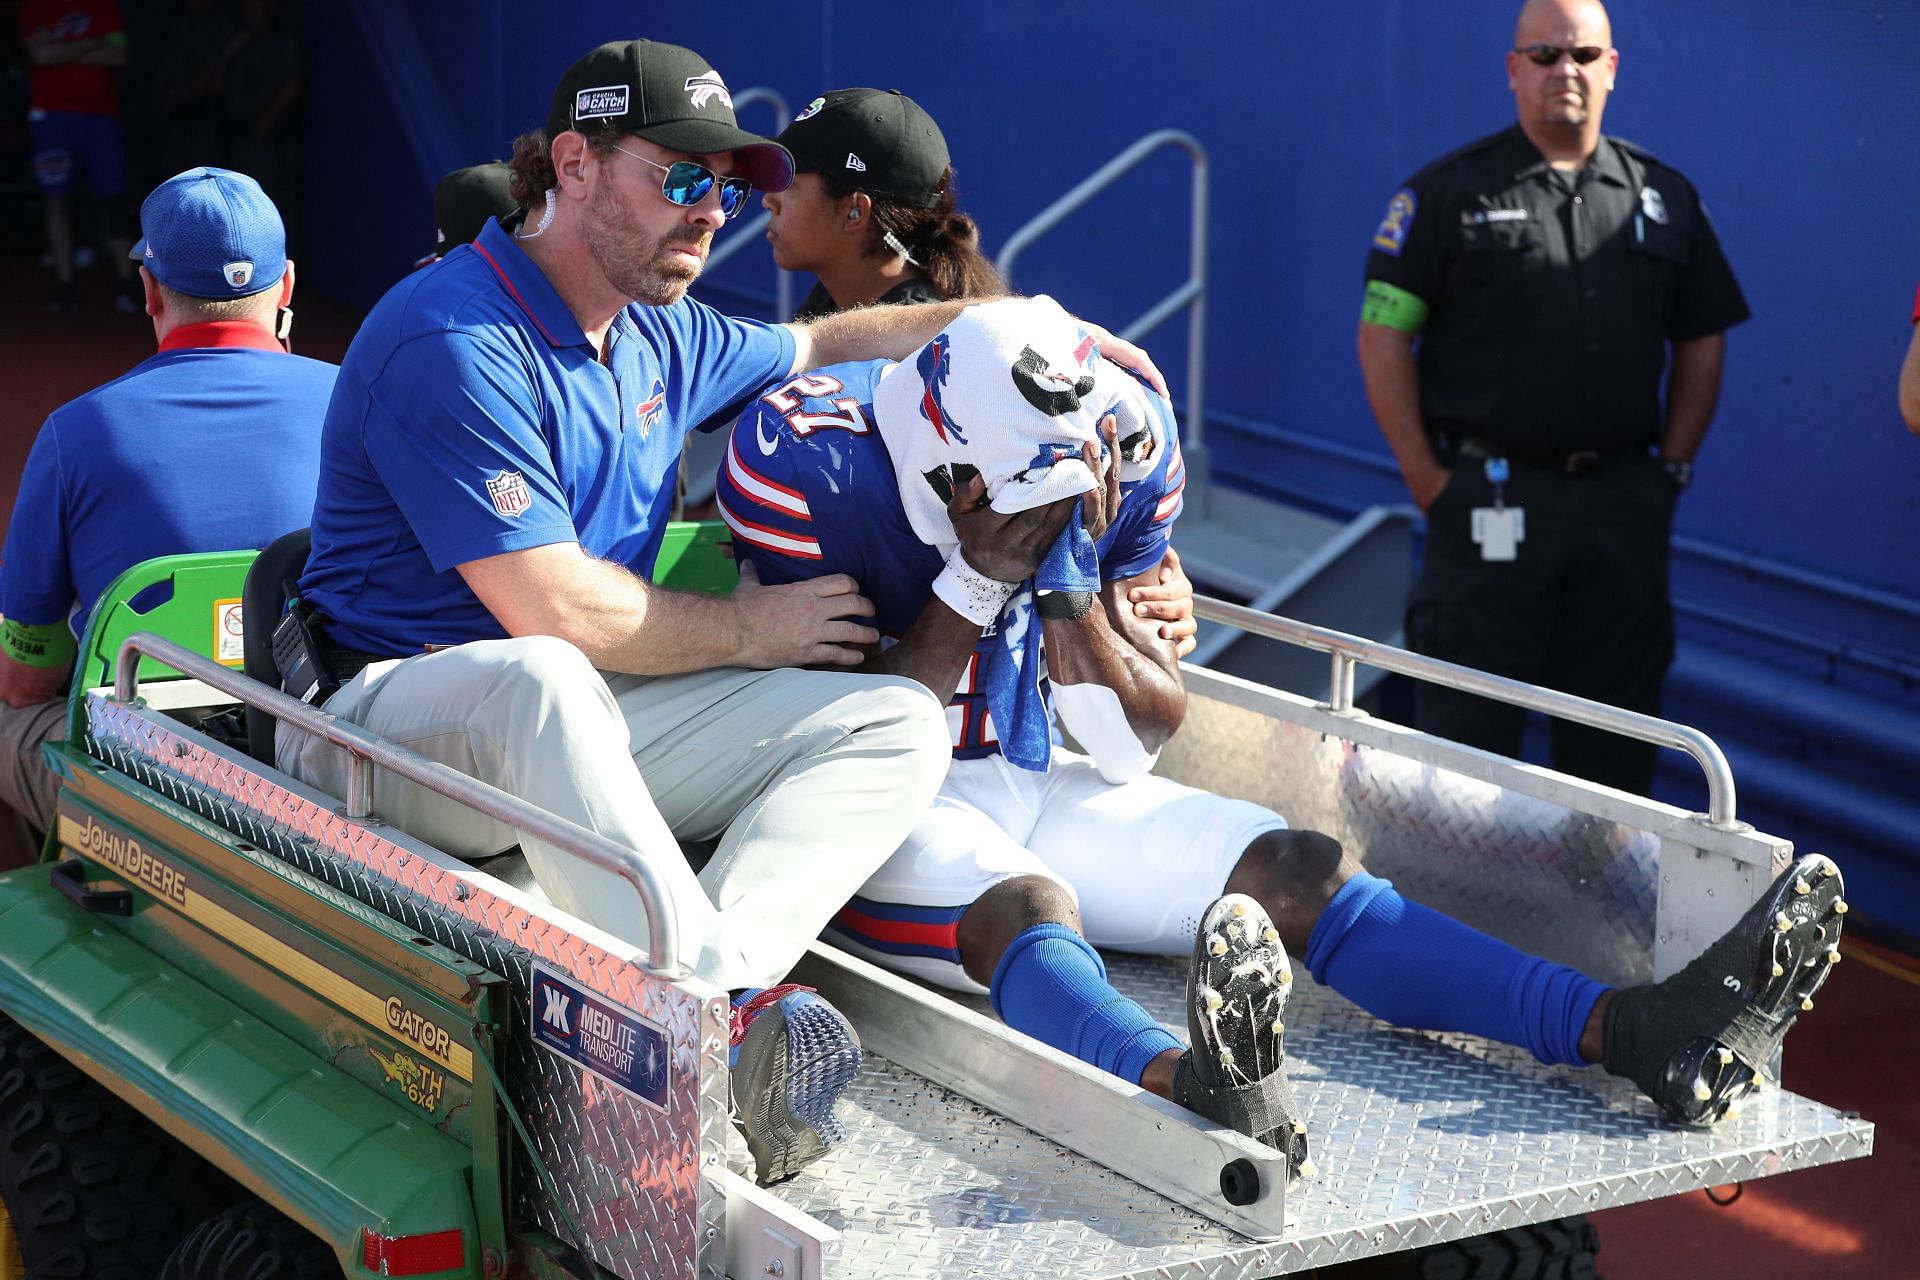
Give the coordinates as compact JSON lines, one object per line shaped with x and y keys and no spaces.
{"x":1411,"y":966}
{"x":1053,"y":986}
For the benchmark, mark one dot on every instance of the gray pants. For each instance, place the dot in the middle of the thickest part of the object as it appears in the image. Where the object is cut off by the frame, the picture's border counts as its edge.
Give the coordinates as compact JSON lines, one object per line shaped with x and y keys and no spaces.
{"x":27,"y":786}
{"x":808,"y":779}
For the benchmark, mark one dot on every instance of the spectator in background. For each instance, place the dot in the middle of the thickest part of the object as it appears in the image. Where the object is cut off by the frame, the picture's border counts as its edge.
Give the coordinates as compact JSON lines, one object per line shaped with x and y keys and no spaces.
{"x":73,"y":48}
{"x":1545,"y":272}
{"x":1910,"y":375}
{"x":871,"y":210}
{"x":121,"y":474}
{"x":464,"y":201}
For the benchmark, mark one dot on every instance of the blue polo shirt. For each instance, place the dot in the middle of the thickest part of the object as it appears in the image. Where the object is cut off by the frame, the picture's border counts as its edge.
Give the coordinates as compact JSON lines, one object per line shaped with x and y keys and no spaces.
{"x":210,"y":444}
{"x":472,"y":418}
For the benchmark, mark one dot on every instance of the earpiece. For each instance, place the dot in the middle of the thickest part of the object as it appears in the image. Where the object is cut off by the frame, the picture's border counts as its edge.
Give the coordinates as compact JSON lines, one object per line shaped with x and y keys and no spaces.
{"x":853,"y":215}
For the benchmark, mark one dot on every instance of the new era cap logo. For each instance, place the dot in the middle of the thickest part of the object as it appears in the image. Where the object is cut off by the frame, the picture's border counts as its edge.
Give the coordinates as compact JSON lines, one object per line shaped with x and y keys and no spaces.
{"x":598,"y":104}
{"x":855,"y":163}
{"x":238,"y":274}
{"x":707,"y":86}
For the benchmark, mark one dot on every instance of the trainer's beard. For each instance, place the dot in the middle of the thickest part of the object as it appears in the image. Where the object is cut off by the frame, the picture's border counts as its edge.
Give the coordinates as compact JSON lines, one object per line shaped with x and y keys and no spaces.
{"x":648,"y":271}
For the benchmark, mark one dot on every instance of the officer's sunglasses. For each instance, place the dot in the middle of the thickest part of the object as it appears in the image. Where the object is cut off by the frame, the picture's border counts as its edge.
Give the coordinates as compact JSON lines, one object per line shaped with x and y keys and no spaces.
{"x":686,"y":184}
{"x":1547,"y":55}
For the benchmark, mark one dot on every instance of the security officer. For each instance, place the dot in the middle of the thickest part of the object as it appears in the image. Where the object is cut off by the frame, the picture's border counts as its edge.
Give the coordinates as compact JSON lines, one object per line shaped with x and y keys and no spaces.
{"x":1544,"y":272}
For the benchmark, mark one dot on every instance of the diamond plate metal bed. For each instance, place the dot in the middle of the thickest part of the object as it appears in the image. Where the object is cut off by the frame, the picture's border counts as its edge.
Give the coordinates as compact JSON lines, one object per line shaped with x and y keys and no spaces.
{"x":976,"y":1151}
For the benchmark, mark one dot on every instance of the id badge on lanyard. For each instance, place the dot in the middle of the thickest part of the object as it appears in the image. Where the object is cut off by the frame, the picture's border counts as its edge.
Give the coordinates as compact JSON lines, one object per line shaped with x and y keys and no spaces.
{"x":1499,"y":529}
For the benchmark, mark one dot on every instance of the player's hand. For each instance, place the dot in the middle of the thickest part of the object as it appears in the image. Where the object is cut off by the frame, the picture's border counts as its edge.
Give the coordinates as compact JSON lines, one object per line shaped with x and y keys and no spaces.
{"x":1127,"y":356}
{"x":1006,"y":548}
{"x":1101,"y":504}
{"x":1170,"y":602}
{"x":801,"y":624}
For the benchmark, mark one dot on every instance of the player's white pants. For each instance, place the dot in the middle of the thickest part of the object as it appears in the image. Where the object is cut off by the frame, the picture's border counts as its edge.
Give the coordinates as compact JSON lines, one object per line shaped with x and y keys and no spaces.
{"x":1144,"y":860}
{"x":807,"y":778}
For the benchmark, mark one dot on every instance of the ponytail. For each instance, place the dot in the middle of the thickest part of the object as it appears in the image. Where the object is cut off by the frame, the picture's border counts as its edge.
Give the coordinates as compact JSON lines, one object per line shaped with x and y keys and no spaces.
{"x":942,"y":242}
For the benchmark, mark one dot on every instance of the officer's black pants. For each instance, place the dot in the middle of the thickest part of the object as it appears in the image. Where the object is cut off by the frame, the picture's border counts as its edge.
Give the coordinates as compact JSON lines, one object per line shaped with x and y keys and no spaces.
{"x":1583,"y":608}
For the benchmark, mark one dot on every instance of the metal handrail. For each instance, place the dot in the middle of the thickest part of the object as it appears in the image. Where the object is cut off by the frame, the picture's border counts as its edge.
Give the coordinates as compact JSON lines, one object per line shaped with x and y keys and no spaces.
{"x":1347,"y":650}
{"x":367,"y":750}
{"x":743,"y":234}
{"x":1192,"y":294}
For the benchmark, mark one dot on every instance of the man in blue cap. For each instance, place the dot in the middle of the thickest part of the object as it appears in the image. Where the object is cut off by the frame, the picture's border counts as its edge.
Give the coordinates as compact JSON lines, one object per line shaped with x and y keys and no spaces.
{"x":122,"y":474}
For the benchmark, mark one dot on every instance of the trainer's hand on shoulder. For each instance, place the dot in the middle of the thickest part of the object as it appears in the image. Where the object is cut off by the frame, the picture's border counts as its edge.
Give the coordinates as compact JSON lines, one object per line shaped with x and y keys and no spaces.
{"x":1006,"y":548}
{"x":1127,"y":356}
{"x":801,"y":624}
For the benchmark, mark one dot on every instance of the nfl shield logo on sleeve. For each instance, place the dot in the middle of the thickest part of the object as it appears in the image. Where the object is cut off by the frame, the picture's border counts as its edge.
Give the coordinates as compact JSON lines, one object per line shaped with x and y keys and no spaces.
{"x":510,"y":494}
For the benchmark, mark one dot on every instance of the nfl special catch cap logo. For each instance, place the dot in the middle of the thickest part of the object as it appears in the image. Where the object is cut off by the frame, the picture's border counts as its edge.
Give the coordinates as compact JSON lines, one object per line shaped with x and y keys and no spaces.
{"x":510,"y":494}
{"x":707,"y":86}
{"x":813,"y":109}
{"x":238,"y":274}
{"x":601,"y":102}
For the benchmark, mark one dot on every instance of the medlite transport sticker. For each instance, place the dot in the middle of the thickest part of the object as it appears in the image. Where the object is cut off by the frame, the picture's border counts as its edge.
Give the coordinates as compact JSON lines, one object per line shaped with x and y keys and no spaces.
{"x":616,"y":1044}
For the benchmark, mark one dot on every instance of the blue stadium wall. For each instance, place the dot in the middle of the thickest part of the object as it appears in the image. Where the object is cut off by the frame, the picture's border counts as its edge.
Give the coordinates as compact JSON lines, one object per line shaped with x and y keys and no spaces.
{"x":1795,"y":558}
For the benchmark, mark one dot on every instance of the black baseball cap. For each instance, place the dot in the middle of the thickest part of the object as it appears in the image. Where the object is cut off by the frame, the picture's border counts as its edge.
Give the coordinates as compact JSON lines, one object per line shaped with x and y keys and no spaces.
{"x":669,"y":96}
{"x":465,"y":199}
{"x":878,"y":140}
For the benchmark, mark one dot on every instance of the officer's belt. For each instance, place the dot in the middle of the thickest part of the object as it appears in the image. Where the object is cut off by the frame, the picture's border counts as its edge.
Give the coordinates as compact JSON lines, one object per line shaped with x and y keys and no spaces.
{"x":1578,"y":462}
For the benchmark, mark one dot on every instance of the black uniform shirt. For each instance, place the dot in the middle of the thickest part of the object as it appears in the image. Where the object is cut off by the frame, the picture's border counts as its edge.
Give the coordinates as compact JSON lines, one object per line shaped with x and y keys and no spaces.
{"x":1551,"y":296}
{"x":819,"y":302}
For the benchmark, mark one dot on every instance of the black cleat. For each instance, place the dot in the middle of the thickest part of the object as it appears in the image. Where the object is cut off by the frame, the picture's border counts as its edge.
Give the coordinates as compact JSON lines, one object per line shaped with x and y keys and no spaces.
{"x":792,"y":1056}
{"x":1235,"y":1073}
{"x":1697,"y":1041}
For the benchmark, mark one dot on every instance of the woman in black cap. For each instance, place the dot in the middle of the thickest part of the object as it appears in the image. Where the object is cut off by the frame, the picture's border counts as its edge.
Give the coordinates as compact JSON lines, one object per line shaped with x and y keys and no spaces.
{"x":871,"y":210}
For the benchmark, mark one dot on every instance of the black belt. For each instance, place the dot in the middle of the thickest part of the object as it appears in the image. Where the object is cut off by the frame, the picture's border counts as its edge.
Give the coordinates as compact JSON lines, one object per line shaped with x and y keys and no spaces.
{"x":1578,"y":462}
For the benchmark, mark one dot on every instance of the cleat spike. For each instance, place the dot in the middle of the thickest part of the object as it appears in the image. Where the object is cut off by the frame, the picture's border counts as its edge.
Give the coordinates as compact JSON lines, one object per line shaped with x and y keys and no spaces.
{"x":1802,"y":888}
{"x":1226,"y":1055}
{"x":1212,"y":1001}
{"x":1725,"y":1056}
{"x":1833,"y":955}
{"x":1308,"y":1169}
{"x":1239,"y":911}
{"x":1778,"y":972}
{"x":1839,"y":906}
{"x":1701,"y":1091}
{"x":1780,"y":922}
{"x":1279,"y":1027}
{"x":1217,"y":946}
{"x":1806,"y":1004}
{"x":1828,"y":871}
{"x":1270,"y":935}
{"x":1299,"y":1128}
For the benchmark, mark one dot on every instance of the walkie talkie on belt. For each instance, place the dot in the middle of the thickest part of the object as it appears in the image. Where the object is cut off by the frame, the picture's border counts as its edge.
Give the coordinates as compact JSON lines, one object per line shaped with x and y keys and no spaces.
{"x":301,"y":655}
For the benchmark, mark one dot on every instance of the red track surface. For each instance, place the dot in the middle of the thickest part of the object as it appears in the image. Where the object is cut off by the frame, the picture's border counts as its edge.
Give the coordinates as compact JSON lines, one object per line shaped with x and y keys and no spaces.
{"x":1857,"y":1050}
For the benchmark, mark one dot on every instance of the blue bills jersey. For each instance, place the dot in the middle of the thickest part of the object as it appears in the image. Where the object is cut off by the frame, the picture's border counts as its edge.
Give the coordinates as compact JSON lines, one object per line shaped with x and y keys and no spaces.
{"x":808,"y":488}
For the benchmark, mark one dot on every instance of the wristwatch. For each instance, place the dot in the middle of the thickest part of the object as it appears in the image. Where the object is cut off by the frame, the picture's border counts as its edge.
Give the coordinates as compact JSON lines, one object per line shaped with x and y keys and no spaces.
{"x":1679,"y":469}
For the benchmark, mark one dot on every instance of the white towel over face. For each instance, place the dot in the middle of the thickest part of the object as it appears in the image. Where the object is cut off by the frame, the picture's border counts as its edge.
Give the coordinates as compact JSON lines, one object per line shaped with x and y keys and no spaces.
{"x":1011,"y":389}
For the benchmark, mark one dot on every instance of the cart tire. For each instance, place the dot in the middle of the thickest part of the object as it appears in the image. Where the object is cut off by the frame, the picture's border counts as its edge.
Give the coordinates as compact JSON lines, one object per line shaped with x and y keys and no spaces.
{"x":89,"y":1186}
{"x":252,"y":1241}
{"x":1562,"y":1250}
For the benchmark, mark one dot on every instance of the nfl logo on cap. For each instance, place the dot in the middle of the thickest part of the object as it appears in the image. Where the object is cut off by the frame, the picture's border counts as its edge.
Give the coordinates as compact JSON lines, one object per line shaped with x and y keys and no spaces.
{"x":239,"y":274}
{"x":212,"y":233}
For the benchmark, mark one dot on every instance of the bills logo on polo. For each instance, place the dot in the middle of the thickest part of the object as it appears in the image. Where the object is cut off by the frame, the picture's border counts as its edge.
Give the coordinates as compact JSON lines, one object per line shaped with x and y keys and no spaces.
{"x":648,"y":412}
{"x":509,"y":493}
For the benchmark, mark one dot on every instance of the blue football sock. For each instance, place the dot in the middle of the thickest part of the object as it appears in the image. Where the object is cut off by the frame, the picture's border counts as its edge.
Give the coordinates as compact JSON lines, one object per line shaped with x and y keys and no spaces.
{"x":1411,"y":966}
{"x":1053,"y":986}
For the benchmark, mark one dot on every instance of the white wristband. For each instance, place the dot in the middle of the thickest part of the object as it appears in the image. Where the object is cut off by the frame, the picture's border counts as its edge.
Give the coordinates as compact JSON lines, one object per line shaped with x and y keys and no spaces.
{"x":970,"y":593}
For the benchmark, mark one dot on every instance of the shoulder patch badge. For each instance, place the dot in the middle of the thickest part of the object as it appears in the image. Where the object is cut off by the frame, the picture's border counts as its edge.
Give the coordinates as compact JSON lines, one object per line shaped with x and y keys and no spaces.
{"x":510,"y":494}
{"x":1391,"y":236}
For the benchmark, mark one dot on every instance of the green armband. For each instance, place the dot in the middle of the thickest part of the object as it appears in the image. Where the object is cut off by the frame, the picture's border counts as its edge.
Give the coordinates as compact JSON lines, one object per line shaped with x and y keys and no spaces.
{"x":1393,"y":307}
{"x":47,"y":645}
